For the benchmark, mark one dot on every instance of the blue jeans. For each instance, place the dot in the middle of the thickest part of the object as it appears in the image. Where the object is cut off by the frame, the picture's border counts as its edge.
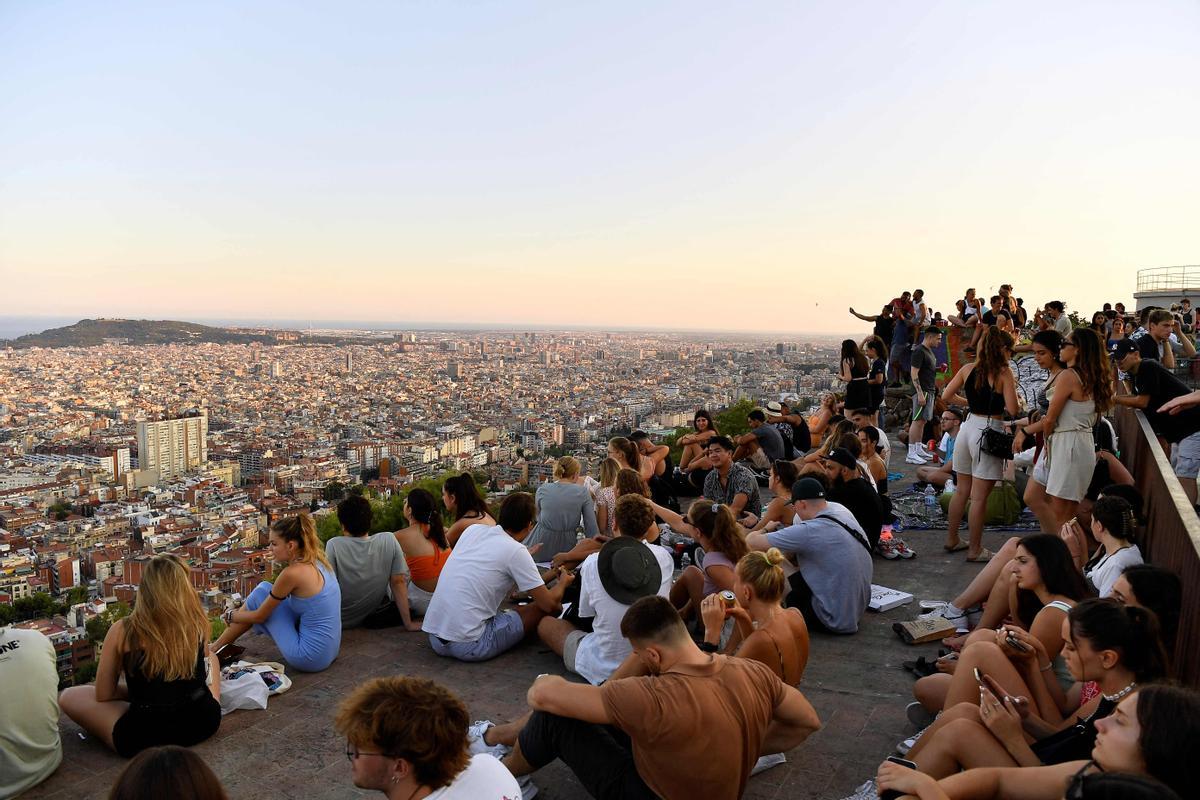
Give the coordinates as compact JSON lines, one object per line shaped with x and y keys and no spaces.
{"x":500,"y":633}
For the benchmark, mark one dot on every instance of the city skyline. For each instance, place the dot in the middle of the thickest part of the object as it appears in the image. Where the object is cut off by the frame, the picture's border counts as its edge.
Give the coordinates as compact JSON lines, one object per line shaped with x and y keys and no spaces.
{"x":618,"y":167}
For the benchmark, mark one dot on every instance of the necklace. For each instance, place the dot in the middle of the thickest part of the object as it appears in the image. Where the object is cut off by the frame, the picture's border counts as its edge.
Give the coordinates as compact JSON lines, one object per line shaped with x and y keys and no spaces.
{"x":1112,"y":698}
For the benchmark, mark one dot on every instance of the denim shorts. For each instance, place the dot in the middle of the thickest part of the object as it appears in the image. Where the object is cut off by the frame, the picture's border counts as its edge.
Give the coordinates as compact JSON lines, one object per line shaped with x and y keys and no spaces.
{"x":1187,"y":457}
{"x":501,"y":633}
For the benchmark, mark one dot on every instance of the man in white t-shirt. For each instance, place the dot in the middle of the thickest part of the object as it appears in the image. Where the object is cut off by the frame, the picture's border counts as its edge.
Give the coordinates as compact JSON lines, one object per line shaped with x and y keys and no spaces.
{"x":626,"y":569}
{"x":30,"y":749}
{"x":387,"y":722}
{"x":464,"y":619}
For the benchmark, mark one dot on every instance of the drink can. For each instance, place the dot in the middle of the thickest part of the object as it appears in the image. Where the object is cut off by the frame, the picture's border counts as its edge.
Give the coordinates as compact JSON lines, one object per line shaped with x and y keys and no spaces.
{"x":728,"y":599}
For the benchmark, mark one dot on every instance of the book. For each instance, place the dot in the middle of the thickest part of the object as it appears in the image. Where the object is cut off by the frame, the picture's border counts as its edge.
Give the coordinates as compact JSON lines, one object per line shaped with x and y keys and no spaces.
{"x":885,"y":599}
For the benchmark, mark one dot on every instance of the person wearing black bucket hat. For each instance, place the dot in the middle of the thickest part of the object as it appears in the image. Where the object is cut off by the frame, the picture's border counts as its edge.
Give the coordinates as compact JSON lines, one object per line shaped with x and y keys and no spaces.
{"x":625,"y":570}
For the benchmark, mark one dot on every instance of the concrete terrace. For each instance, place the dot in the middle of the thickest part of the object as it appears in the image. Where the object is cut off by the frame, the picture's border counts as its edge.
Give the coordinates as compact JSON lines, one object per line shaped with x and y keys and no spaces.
{"x":856,"y":683}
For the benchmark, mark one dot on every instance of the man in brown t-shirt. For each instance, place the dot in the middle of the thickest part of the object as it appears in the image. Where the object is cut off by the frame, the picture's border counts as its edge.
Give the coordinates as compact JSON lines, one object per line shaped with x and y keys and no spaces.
{"x":694,"y":728}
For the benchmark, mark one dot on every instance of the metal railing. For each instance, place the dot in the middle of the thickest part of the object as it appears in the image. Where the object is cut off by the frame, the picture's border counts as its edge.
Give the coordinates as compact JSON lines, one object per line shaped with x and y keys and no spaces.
{"x":1172,"y":532}
{"x":1161,"y":279}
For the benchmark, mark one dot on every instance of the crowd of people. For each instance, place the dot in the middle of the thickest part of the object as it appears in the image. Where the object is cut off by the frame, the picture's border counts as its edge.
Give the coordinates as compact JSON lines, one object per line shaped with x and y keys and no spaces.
{"x":1059,"y":668}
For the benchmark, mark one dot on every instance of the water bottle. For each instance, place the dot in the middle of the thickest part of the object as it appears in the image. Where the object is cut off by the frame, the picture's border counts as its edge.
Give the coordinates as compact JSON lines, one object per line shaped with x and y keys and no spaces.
{"x":930,"y":497}
{"x":685,"y":562}
{"x":949,"y":486}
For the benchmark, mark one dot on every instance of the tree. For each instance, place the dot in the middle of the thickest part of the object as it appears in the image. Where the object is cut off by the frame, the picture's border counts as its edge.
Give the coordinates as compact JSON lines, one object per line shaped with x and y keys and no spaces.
{"x":77,"y":595}
{"x":334,"y":491}
{"x":60,"y":510}
{"x":732,"y":421}
{"x":86,"y":673}
{"x":328,"y":527}
{"x":40,"y":604}
{"x":8,"y":614}
{"x":97,"y":627}
{"x":216,"y":628}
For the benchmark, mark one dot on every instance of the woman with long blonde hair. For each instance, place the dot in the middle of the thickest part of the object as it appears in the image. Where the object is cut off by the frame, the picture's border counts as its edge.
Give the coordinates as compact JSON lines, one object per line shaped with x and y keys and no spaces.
{"x":302,"y":609}
{"x":160,"y":649}
{"x":562,"y":507}
{"x":606,"y":497}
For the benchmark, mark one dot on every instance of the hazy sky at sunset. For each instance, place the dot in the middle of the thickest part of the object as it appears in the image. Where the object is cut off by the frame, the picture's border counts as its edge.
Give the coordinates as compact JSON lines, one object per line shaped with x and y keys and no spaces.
{"x":675,"y":164}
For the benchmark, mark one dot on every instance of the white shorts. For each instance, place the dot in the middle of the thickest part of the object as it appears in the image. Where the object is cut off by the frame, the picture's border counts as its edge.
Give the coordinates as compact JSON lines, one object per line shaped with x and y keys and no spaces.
{"x":969,"y":459}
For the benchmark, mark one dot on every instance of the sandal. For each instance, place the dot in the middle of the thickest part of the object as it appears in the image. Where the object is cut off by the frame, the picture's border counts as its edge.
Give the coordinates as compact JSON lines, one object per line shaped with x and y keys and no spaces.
{"x":983,"y":557}
{"x":956,"y":548}
{"x":921,"y":667}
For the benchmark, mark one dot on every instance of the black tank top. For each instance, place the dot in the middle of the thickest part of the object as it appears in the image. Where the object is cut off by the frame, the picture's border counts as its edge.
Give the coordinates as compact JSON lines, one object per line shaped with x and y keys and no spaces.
{"x":983,"y":399}
{"x":157,"y":694}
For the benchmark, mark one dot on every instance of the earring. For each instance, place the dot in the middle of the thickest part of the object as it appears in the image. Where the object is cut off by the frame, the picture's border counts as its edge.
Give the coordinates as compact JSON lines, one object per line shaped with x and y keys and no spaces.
{"x":394,"y":779}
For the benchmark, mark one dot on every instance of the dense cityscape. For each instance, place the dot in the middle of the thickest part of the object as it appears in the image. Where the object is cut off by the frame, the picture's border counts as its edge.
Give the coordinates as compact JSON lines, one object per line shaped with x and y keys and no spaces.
{"x":114,"y":453}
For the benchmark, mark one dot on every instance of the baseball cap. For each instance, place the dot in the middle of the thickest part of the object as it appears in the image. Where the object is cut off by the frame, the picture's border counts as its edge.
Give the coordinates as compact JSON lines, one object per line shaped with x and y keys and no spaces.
{"x":807,"y":489}
{"x":1123,"y":347}
{"x":842,"y":456}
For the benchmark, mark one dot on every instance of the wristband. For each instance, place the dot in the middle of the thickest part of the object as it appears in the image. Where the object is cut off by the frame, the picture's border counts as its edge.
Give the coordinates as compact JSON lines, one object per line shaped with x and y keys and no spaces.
{"x":709,"y":647}
{"x":1047,"y":668}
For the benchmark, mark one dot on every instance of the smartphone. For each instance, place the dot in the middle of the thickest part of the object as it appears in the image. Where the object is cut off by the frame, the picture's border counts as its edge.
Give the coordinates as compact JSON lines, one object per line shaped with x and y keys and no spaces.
{"x":893,"y":794}
{"x":1016,"y":644}
{"x":978,"y":676}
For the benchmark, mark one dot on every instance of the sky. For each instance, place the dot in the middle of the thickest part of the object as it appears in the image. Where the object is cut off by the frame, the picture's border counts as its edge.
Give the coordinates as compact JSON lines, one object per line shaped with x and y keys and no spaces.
{"x":689,"y":165}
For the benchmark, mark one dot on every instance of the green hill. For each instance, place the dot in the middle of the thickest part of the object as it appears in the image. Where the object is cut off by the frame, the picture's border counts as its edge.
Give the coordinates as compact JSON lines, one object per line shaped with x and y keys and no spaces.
{"x":90,"y":332}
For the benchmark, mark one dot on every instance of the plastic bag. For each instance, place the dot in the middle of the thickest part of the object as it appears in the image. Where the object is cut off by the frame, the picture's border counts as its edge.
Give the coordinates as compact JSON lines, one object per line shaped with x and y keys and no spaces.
{"x":246,"y":690}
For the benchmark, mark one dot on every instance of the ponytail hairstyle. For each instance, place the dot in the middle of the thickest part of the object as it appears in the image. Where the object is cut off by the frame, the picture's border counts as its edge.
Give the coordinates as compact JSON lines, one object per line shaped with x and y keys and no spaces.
{"x":1130,"y":495}
{"x":422,"y":507}
{"x":716,"y":522}
{"x":1169,"y":719}
{"x":566,"y":468}
{"x":1051,"y":340}
{"x":633,"y":457}
{"x":785,"y":472}
{"x":1131,"y":632}
{"x":762,"y":573}
{"x":303,"y":531}
{"x":608,"y":472}
{"x":630,"y":481}
{"x":877,"y":345}
{"x":1115,"y":515}
{"x":466,"y":496}
{"x":1058,"y":573}
{"x":1092,"y":364}
{"x":1160,"y":591}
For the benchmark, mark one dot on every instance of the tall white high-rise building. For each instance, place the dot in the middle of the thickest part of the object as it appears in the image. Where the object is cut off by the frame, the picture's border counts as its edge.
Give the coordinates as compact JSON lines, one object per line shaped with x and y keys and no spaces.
{"x":173,"y":446}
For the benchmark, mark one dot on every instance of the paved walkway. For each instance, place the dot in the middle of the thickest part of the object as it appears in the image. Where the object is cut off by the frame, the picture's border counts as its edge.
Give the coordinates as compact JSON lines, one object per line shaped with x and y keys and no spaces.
{"x":855,"y":682}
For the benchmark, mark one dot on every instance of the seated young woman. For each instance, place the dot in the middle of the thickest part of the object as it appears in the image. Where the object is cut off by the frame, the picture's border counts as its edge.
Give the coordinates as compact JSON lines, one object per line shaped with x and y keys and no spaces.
{"x":301,"y":610}
{"x":605,"y":497}
{"x":764,"y":631}
{"x":159,"y":649}
{"x":833,"y":437}
{"x":869,"y":458}
{"x":783,"y":474}
{"x":464,"y":502}
{"x":1116,"y":646}
{"x":425,"y":547}
{"x":693,"y":456}
{"x":1152,"y":733}
{"x":988,"y":592}
{"x":628,"y":481}
{"x":1043,"y":585}
{"x":713,"y":527}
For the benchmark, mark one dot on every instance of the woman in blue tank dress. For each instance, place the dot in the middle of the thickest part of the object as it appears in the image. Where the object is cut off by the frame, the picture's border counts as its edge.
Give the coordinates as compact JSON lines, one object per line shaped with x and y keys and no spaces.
{"x":302,"y":609}
{"x":168,"y":698}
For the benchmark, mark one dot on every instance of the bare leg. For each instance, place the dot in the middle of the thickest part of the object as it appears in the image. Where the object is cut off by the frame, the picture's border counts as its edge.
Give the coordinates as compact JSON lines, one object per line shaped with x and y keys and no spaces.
{"x":690,"y":452}
{"x":531,"y":616}
{"x":960,"y":711}
{"x":1036,"y":499}
{"x":977,"y":516}
{"x":954,"y":514}
{"x":996,"y":609}
{"x":554,"y":632}
{"x":230,"y":634}
{"x":991,"y":661}
{"x":962,"y":744}
{"x":507,"y":733}
{"x":516,"y":763}
{"x":96,"y":717}
{"x":688,"y":591}
{"x":936,"y":476}
{"x":980,"y":587}
{"x":1063,"y":511}
{"x":931,"y":690}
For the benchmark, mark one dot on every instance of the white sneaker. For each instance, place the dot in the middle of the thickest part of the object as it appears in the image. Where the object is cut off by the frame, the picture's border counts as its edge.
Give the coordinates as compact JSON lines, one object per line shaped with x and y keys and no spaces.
{"x":915,"y":457}
{"x":476,"y":744}
{"x":764,"y":763}
{"x":529,"y":789}
{"x":933,"y":605}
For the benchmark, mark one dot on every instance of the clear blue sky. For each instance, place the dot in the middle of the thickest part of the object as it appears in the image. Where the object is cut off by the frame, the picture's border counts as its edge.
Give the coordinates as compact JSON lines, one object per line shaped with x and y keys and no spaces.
{"x":590,"y":163}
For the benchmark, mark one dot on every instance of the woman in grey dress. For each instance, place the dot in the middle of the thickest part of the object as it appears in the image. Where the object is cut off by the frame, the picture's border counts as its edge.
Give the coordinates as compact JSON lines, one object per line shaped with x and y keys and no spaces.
{"x":562,"y":507}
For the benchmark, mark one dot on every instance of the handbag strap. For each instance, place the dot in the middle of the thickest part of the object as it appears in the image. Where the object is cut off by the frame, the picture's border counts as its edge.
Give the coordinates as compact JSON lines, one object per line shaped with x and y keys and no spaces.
{"x":860,"y":539}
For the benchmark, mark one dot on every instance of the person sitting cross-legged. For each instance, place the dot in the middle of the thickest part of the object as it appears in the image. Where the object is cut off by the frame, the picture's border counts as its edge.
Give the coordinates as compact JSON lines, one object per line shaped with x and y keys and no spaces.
{"x":626,"y":569}
{"x":833,"y":585}
{"x":371,"y":571}
{"x":693,"y":728}
{"x":730,"y":483}
{"x":464,"y":619}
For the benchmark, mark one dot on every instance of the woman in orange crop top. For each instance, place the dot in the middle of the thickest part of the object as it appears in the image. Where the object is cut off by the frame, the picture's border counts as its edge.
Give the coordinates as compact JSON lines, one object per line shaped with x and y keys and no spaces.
{"x":424,"y":545}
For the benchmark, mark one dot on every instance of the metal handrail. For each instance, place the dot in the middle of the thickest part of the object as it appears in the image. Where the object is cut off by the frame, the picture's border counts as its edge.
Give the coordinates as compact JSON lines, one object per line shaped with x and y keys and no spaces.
{"x":1154,"y":279}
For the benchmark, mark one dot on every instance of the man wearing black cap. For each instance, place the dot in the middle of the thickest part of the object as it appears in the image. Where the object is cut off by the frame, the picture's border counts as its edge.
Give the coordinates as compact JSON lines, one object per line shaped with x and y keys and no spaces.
{"x":850,"y":489}
{"x":833,"y":585}
{"x":625,"y":569}
{"x":1153,"y":385}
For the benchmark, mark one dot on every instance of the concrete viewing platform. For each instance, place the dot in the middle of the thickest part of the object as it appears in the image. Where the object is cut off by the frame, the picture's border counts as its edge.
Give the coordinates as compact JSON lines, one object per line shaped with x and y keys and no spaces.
{"x":290,"y":750}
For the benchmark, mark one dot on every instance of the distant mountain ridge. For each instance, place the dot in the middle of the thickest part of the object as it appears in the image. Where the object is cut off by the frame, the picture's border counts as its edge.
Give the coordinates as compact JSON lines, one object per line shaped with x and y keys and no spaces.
{"x":91,"y":332}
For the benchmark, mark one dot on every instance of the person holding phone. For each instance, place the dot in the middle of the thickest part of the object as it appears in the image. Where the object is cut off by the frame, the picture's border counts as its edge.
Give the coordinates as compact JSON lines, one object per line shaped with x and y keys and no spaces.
{"x":1116,"y":646}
